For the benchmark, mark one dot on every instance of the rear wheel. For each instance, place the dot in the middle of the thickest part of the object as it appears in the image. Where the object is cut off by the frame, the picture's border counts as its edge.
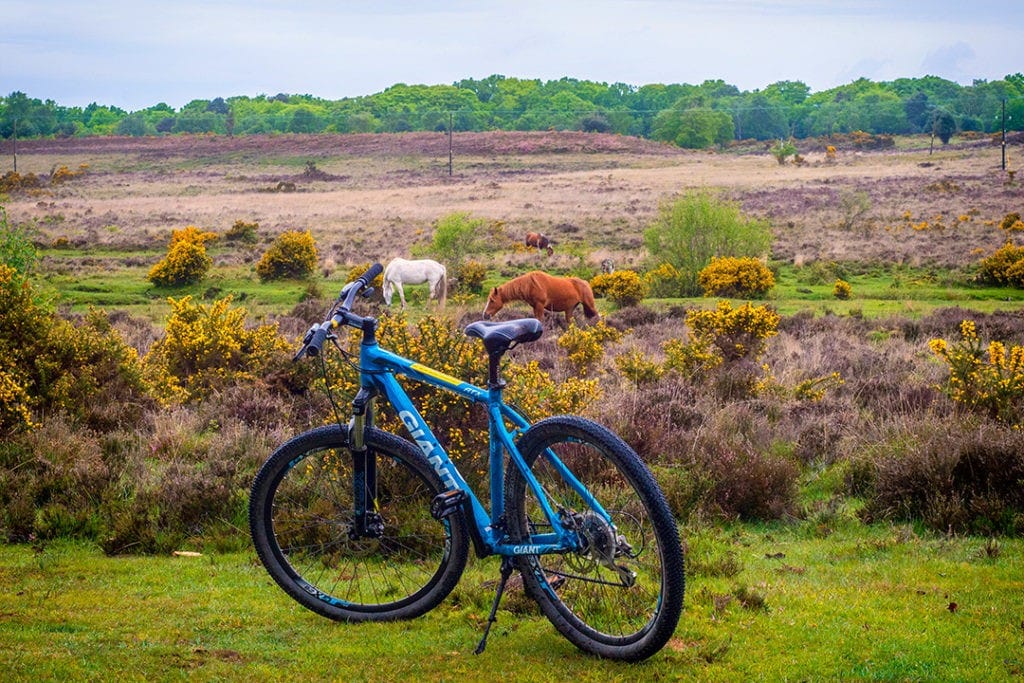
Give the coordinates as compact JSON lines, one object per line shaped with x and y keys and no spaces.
{"x":395,"y":562}
{"x":620,"y":593}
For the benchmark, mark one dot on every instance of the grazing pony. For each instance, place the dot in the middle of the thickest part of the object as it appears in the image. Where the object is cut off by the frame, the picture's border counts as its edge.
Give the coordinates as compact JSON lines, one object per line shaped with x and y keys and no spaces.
{"x":535,"y":239}
{"x":545,"y":293}
{"x":400,"y":271}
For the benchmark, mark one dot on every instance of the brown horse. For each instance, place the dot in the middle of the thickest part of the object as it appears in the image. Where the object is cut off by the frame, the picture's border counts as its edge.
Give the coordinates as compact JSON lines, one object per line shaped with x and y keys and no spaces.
{"x":545,"y":293}
{"x":535,"y":239}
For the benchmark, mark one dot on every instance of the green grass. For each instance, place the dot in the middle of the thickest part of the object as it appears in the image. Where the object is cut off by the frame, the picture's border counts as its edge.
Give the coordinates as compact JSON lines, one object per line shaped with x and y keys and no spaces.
{"x":775,"y":602}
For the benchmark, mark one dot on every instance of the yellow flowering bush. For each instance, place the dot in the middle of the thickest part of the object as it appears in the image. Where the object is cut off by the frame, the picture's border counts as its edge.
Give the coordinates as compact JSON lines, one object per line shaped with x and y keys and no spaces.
{"x":186,"y":261}
{"x":586,"y":344}
{"x":206,"y":347}
{"x":470,"y":276}
{"x":292,"y":255}
{"x":1011,"y":223}
{"x":1005,"y":266}
{"x":663,"y":281}
{"x":734,"y":333}
{"x":623,"y":287}
{"x":15,"y":415}
{"x":842,"y":289}
{"x":989,"y":379}
{"x":634,"y":366}
{"x":732,"y":276}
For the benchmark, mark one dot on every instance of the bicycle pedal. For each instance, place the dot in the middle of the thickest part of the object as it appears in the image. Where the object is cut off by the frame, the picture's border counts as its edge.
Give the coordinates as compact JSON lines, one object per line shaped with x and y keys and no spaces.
{"x":447,"y":502}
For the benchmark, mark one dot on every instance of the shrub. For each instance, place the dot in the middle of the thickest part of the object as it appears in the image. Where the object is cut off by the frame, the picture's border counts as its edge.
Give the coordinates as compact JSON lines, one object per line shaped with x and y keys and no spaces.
{"x":208,"y":347}
{"x":623,"y":287}
{"x":1011,"y":222}
{"x":732,"y":276}
{"x":697,"y":226}
{"x":841,"y":289}
{"x":782,"y":150}
{"x":955,"y":477}
{"x":736,"y":333}
{"x":456,"y":236}
{"x":635,"y":367}
{"x":292,"y":255}
{"x":16,"y":248}
{"x":663,"y":281}
{"x":585,"y":344}
{"x":470,"y":276}
{"x":186,"y":261}
{"x":989,"y":380}
{"x":1004,"y":267}
{"x":242,"y":232}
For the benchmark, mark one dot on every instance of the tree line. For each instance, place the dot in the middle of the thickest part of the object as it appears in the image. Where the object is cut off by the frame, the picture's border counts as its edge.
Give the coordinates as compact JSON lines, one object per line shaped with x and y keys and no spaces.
{"x":692,"y":116}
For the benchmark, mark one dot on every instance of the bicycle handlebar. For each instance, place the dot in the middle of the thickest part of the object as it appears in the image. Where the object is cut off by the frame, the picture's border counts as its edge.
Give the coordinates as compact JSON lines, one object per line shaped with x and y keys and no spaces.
{"x":315,"y":337}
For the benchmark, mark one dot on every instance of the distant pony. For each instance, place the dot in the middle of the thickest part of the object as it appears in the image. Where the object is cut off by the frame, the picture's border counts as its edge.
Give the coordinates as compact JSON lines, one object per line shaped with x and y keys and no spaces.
{"x":539,"y":241}
{"x":545,"y":293}
{"x":400,"y":271}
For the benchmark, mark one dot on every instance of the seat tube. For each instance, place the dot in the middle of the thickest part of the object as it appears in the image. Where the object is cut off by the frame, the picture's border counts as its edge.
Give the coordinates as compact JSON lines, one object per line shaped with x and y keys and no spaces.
{"x":495,"y":426}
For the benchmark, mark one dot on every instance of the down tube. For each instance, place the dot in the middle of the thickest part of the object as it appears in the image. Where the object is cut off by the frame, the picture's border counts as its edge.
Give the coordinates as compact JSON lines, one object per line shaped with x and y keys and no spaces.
{"x":420,"y":433}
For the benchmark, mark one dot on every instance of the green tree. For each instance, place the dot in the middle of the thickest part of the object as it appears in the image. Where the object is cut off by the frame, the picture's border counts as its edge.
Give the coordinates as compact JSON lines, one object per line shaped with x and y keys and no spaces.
{"x":457,"y":235}
{"x":693,"y":228}
{"x":943,"y":125}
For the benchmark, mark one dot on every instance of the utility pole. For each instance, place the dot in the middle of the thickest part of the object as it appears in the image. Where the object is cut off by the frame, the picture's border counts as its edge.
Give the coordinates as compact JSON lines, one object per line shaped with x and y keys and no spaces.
{"x":15,"y":144}
{"x":450,"y":118}
{"x":1004,"y":134}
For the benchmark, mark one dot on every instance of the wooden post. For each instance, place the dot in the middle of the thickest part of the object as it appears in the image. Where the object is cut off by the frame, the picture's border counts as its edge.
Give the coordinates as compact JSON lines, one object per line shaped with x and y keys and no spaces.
{"x":1004,"y":133}
{"x":15,"y":144}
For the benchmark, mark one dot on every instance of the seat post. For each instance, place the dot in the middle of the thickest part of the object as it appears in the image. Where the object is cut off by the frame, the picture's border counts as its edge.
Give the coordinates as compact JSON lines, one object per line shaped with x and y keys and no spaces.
{"x":493,"y":367}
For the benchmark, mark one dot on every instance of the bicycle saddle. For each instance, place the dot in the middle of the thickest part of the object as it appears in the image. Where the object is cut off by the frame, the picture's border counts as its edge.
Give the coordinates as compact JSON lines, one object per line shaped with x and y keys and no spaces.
{"x":499,"y":337}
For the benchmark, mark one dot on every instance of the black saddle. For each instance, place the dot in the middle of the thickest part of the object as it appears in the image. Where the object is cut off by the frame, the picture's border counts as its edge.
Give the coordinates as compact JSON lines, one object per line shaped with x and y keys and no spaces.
{"x":499,"y":337}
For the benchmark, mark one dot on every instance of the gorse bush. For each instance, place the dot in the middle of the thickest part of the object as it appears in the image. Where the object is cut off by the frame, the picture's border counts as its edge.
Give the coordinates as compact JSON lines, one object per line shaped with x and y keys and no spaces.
{"x":242,"y":231}
{"x":663,"y":281}
{"x":732,"y":276}
{"x":988,"y":378}
{"x":623,"y":287}
{"x":469,"y":276}
{"x":49,"y":365}
{"x":186,"y":261}
{"x":842,"y":289}
{"x":585,"y":345}
{"x":208,"y":347}
{"x":1011,"y":223}
{"x":292,"y":255}
{"x":1004,"y":267}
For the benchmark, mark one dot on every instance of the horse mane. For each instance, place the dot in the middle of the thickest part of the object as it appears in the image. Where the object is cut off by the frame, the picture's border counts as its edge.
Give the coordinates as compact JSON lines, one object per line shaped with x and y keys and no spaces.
{"x":517,"y":288}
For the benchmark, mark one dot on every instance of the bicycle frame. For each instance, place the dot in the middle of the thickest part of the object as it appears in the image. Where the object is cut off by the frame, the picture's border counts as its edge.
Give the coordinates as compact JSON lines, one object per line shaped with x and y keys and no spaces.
{"x":379,"y":370}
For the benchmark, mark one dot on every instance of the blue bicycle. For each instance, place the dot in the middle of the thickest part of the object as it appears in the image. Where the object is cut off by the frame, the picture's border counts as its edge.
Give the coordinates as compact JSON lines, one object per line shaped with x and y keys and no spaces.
{"x":358,"y":524}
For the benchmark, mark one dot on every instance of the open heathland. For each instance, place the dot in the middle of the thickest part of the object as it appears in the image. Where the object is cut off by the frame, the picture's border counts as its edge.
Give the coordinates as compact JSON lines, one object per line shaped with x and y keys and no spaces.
{"x":844,"y":451}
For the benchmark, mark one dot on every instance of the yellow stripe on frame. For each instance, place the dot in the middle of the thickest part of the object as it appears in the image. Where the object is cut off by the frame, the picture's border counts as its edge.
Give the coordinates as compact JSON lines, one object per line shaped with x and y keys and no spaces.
{"x":440,"y":376}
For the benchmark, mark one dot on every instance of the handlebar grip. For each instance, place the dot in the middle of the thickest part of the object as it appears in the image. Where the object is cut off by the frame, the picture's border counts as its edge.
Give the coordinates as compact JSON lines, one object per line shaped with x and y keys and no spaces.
{"x":319,"y":336}
{"x":371,"y":274}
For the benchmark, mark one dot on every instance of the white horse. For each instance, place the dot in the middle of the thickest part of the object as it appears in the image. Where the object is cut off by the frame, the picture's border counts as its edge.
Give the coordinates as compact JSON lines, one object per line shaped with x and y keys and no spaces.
{"x":400,"y":271}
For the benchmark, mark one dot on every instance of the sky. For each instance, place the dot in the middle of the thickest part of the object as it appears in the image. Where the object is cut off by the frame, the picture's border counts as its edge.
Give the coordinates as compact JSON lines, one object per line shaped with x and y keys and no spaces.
{"x":134,"y":54}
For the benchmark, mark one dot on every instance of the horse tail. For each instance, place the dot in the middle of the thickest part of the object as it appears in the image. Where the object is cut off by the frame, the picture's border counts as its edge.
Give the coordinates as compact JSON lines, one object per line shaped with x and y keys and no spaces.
{"x":587,"y":298}
{"x":388,"y":289}
{"x":442,"y":294}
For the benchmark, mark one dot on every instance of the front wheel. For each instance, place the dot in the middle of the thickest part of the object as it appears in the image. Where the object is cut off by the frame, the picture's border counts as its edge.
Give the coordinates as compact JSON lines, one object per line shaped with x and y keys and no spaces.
{"x":619,"y":594}
{"x":350,"y":536}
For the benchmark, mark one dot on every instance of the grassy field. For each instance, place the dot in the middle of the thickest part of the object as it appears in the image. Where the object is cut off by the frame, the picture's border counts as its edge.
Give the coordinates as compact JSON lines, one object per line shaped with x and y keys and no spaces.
{"x":776,"y":602}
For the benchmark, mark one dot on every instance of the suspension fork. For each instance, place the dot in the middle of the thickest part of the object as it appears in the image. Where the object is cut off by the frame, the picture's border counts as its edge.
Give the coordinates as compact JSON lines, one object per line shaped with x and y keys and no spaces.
{"x":367,"y":522}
